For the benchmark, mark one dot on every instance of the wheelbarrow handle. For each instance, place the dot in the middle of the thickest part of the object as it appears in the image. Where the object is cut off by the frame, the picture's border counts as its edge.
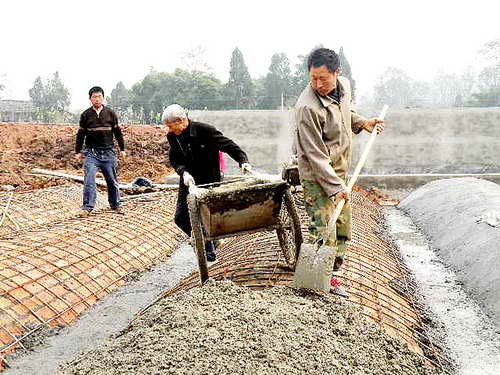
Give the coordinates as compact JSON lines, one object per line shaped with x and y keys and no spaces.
{"x":195,"y":190}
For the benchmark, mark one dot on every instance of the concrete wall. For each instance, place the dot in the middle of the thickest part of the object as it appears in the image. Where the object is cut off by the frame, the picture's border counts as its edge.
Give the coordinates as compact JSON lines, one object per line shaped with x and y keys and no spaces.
{"x":264,"y":135}
{"x":458,"y":140}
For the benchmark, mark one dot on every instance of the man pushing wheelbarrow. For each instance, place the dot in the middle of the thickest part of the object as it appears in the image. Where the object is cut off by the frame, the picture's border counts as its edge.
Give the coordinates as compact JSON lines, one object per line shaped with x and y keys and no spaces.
{"x":194,"y":154}
{"x":323,"y":144}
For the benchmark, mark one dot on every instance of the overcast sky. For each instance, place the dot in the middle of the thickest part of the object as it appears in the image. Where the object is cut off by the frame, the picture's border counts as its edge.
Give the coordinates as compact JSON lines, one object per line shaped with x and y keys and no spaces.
{"x":103,"y":42}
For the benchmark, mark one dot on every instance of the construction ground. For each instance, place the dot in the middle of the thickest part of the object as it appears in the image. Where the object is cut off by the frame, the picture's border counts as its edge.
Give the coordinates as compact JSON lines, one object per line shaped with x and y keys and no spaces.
{"x":113,"y":294}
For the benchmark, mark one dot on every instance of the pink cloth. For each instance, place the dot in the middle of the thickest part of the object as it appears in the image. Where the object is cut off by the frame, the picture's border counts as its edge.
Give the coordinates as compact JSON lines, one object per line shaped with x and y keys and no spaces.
{"x":222,"y":163}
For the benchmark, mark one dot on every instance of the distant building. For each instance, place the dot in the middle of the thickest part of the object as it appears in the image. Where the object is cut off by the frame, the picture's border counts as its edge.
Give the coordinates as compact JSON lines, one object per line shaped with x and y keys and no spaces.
{"x":16,"y":111}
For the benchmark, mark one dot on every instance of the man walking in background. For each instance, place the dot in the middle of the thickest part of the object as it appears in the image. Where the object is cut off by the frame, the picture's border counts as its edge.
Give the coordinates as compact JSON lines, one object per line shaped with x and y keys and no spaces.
{"x":98,"y":126}
{"x":194,"y":154}
{"x":323,"y":142}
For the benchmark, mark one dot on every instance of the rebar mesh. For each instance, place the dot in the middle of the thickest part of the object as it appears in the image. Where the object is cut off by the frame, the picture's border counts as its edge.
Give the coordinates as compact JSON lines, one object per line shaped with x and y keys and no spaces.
{"x":370,"y":268}
{"x":53,"y":272}
{"x":30,"y":209}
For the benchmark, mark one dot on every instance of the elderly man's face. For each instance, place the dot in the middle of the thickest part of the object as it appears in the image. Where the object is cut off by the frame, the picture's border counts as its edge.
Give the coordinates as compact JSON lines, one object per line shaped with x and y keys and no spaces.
{"x":322,"y":80}
{"x":177,"y":126}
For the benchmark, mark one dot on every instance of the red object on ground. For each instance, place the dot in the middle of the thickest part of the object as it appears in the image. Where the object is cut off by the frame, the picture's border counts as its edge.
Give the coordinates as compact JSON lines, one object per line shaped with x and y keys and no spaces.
{"x":334,"y":282}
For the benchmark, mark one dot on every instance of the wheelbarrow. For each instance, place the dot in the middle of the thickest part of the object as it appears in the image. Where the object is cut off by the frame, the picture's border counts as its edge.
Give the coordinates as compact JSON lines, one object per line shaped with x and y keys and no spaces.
{"x":245,"y":205}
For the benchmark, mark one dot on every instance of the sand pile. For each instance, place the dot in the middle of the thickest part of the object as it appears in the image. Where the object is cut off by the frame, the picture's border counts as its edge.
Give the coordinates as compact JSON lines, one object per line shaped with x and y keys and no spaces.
{"x":225,"y":329}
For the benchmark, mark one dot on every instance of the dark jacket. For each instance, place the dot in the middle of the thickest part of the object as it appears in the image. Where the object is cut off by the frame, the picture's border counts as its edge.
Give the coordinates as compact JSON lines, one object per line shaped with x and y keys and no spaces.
{"x":196,"y":150}
{"x":97,"y":131}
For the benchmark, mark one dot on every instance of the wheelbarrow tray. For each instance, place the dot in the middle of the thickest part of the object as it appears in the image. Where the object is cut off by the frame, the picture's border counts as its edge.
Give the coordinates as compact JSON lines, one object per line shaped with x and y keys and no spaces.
{"x":241,"y":206}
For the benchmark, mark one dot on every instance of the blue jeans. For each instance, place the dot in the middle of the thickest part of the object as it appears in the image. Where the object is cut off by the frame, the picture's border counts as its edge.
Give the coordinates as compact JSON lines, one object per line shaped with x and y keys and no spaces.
{"x":105,"y":160}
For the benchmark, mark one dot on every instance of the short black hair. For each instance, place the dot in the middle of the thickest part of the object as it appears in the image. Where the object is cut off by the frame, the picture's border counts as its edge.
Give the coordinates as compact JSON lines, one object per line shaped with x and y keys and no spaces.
{"x":323,"y":56}
{"x":96,"y":89}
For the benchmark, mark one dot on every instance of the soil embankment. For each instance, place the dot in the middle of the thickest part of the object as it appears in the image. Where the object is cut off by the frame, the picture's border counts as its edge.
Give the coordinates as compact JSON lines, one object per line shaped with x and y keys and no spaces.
{"x":51,"y":146}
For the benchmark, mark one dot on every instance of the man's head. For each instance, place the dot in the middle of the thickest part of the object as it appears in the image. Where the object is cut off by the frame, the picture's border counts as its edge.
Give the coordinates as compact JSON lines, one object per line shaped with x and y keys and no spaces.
{"x":175,"y":118}
{"x":324,"y":68}
{"x":96,"y":96}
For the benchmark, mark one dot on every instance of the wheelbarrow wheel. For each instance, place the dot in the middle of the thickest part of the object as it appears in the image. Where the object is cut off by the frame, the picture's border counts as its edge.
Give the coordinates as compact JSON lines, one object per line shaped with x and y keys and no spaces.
{"x":197,"y":237}
{"x":289,"y":233}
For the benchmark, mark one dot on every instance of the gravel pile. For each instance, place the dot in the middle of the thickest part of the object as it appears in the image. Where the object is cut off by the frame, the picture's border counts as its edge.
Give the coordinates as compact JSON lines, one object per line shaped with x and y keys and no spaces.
{"x":222,"y":328}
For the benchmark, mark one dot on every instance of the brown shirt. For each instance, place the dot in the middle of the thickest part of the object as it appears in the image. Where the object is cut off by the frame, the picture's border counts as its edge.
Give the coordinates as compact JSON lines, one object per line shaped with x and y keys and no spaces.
{"x":324,"y":137}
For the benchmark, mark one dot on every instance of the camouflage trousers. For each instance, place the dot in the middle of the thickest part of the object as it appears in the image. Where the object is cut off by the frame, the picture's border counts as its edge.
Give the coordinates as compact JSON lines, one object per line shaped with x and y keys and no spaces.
{"x":320,"y":207}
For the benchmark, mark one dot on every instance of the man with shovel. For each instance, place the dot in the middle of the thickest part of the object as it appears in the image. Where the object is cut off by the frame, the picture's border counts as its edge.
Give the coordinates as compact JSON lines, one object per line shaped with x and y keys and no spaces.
{"x":323,"y":142}
{"x":194,"y":154}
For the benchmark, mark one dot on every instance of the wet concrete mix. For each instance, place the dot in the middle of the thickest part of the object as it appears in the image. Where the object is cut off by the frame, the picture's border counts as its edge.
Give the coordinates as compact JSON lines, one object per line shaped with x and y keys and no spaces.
{"x":222,"y":328}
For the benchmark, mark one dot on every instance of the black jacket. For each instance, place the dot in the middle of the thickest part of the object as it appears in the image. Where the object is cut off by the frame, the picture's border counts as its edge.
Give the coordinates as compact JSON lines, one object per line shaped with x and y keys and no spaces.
{"x":196,"y":150}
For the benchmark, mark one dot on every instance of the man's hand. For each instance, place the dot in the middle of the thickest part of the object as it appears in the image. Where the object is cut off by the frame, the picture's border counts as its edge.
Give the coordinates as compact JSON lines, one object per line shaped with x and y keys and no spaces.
{"x":79,"y":156}
{"x":374,"y":123}
{"x":343,"y":194}
{"x":188,"y":179}
{"x":196,"y":190}
{"x":246,"y":168}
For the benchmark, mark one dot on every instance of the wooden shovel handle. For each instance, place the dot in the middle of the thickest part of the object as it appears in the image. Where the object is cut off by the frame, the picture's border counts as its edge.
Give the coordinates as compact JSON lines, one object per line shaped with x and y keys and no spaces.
{"x":352,"y":180}
{"x":366,"y":151}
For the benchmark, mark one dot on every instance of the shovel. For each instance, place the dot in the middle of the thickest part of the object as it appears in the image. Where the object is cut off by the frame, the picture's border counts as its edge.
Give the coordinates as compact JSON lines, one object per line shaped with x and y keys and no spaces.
{"x":315,"y":264}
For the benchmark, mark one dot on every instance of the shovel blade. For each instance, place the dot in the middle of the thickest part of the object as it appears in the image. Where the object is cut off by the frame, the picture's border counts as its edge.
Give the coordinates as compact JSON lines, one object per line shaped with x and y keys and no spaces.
{"x":314,"y":268}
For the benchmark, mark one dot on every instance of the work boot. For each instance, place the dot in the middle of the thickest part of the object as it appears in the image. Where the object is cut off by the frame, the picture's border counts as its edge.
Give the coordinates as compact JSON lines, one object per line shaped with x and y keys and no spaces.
{"x":336,"y":289}
{"x":85,"y":213}
{"x":118,"y":211}
{"x":338,"y":263}
{"x":210,"y":251}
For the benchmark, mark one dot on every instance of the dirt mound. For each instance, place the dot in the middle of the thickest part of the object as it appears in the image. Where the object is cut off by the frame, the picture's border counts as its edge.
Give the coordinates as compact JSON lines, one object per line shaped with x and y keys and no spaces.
{"x":225,"y":329}
{"x":24,"y":146}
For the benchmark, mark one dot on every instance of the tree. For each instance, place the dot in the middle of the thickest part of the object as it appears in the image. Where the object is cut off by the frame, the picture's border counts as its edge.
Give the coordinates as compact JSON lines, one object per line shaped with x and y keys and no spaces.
{"x":201,"y":90}
{"x":491,"y":51}
{"x":448,"y":88}
{"x":486,"y":98}
{"x":422,"y":94}
{"x":37,"y":93}
{"x":120,"y":97}
{"x":277,"y":82}
{"x":2,"y":84}
{"x":193,"y":90}
{"x":50,"y":99}
{"x":489,"y":78}
{"x":346,"y":72}
{"x":194,"y":60}
{"x":393,"y":88}
{"x":467,"y":83}
{"x":239,"y":89}
{"x":300,"y":78}
{"x":57,"y":95}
